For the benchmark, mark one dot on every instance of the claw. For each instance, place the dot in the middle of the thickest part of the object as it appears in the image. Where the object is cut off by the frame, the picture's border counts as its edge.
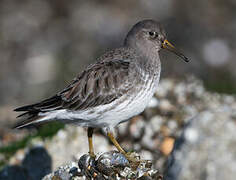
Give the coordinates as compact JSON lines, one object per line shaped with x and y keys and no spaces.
{"x":133,"y":158}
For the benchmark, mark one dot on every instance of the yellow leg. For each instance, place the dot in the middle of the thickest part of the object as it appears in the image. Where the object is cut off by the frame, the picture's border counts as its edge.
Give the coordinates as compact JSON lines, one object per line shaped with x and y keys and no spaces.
{"x":134,"y":162}
{"x":114,"y":141}
{"x":90,"y":142}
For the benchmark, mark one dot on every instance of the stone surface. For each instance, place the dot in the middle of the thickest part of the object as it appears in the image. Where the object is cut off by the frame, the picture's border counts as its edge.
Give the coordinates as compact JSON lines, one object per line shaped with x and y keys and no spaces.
{"x":109,"y":165}
{"x":13,"y":173}
{"x":206,"y":149}
{"x":35,"y":165}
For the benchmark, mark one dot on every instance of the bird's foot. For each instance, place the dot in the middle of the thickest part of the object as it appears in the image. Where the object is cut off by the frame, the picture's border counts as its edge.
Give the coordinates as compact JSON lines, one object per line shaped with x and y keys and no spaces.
{"x":92,"y":155}
{"x":133,"y":158}
{"x":135,"y":161}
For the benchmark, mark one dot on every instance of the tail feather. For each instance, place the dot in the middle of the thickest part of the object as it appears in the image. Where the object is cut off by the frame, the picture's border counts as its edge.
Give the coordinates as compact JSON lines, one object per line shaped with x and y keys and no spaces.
{"x":54,"y":101}
{"x":27,"y":119}
{"x":26,"y":108}
{"x":22,"y":115}
{"x":31,"y":114}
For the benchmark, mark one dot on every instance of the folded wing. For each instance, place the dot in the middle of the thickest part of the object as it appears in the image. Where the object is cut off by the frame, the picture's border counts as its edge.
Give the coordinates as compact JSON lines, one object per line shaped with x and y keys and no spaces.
{"x":99,"y":84}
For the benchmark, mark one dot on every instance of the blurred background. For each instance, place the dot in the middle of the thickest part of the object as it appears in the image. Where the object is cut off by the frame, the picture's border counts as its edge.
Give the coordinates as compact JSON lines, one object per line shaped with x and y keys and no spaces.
{"x":44,"y":44}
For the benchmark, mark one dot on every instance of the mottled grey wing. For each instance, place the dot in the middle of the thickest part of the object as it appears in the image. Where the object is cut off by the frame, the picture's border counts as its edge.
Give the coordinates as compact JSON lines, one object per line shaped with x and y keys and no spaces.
{"x":100,"y":84}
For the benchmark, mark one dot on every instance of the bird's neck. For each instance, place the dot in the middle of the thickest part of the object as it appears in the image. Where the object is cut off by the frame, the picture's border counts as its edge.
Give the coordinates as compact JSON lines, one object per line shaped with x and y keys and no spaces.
{"x":150,"y":59}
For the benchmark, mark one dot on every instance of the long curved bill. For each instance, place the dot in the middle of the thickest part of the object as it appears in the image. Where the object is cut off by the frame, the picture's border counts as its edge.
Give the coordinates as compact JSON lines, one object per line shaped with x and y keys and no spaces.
{"x":167,"y":45}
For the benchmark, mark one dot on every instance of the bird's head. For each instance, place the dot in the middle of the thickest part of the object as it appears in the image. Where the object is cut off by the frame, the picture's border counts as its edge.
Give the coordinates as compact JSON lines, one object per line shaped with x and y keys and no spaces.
{"x":149,"y":35}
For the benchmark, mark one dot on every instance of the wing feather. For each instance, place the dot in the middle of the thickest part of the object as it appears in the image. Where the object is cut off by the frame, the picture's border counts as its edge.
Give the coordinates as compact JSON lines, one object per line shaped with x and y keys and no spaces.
{"x":99,"y":84}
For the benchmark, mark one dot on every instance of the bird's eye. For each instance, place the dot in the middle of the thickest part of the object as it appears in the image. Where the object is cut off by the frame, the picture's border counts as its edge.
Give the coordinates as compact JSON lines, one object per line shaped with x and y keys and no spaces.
{"x":152,"y":34}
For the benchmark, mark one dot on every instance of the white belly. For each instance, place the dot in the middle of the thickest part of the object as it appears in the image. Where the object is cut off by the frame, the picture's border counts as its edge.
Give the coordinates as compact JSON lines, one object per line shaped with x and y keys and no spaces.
{"x":131,"y":107}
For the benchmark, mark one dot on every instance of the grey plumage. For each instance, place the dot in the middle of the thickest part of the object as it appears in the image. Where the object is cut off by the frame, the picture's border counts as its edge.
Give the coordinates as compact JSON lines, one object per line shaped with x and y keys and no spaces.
{"x":127,"y":74}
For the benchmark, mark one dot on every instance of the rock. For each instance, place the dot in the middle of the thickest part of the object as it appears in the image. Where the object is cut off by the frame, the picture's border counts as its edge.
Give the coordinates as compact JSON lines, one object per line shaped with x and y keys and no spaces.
{"x":70,"y":143}
{"x":109,"y":165}
{"x":14,"y":173}
{"x":167,"y":145}
{"x":37,"y":163}
{"x":206,"y":149}
{"x":136,"y":128}
{"x":111,"y":162}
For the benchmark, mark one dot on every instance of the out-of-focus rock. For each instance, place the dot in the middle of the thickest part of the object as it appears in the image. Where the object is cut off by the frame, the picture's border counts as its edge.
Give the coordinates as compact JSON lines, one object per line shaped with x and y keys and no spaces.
{"x":70,"y":143}
{"x":35,"y":165}
{"x":167,"y":145}
{"x":13,"y":173}
{"x":206,"y":148}
{"x":216,"y":52}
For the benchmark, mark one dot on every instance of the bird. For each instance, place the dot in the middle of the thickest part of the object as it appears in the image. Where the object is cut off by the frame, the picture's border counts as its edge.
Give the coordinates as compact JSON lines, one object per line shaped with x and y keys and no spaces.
{"x":117,"y":87}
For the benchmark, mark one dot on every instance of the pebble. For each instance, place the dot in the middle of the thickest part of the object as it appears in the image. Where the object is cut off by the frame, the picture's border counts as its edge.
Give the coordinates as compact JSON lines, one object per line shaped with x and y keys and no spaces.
{"x":191,"y":135}
{"x":153,"y":103}
{"x":165,"y":105}
{"x":167,"y":145}
{"x":110,"y":162}
{"x":155,"y":124}
{"x":137,"y":128}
